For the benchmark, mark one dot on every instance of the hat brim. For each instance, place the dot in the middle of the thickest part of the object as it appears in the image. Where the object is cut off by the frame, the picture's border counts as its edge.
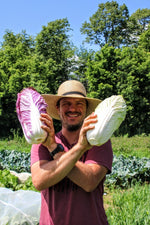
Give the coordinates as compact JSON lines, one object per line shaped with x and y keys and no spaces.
{"x":52,"y":100}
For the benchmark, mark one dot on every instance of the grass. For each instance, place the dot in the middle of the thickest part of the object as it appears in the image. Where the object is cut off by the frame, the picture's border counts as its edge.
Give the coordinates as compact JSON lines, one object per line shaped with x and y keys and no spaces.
{"x":128,"y":206}
{"x":138,"y":146}
{"x":123,"y":207}
{"x":15,"y":143}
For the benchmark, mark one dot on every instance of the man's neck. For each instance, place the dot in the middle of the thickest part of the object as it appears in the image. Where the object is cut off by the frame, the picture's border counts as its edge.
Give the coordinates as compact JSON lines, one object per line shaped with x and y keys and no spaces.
{"x":71,"y":136}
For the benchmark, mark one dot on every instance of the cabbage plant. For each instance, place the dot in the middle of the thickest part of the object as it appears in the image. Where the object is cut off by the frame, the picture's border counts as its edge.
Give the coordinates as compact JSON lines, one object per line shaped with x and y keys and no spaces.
{"x":110,"y":114}
{"x":30,"y":104}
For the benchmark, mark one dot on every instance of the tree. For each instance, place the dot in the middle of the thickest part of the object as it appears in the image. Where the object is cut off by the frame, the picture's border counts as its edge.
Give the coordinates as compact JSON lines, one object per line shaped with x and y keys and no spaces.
{"x":134,"y":84}
{"x":108,"y":25}
{"x":82,"y":56}
{"x":142,"y":16}
{"x":54,"y":50}
{"x":15,"y":63}
{"x":144,"y":40}
{"x":101,"y":73}
{"x":125,"y":72}
{"x":138,"y":23}
{"x":42,"y":63}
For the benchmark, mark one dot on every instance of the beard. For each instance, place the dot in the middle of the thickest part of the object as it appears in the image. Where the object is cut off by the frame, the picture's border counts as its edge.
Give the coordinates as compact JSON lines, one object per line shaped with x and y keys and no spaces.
{"x":74,"y":127}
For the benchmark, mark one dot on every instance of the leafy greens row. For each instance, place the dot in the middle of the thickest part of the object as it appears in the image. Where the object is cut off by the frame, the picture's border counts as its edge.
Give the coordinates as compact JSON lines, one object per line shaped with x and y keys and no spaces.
{"x":125,"y":170}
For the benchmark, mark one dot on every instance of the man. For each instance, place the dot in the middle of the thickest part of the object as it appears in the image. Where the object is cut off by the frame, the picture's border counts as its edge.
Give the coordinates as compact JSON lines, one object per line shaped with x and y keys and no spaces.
{"x":65,"y":168}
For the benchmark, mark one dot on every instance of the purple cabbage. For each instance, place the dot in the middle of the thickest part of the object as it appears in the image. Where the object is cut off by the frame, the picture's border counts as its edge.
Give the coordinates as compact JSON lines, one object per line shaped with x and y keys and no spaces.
{"x":30,"y":104}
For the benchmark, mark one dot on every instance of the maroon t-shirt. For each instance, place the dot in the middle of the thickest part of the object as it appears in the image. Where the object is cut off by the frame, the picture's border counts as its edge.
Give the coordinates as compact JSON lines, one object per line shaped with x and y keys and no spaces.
{"x":66,"y":203}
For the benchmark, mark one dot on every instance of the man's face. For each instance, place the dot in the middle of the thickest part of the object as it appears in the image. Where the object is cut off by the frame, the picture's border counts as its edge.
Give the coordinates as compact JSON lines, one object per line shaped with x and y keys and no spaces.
{"x":72,"y":112}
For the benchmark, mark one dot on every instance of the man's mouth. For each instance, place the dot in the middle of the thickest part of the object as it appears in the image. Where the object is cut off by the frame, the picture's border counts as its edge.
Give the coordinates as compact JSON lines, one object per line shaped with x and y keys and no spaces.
{"x":73,"y":115}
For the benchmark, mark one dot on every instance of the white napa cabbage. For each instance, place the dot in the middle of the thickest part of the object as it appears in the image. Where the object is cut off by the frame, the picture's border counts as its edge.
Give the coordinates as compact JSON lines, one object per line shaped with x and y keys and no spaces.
{"x":30,"y":104}
{"x":110,"y":114}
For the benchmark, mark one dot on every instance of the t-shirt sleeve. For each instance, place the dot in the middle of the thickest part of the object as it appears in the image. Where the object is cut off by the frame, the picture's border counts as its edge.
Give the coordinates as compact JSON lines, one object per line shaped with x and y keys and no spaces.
{"x":101,"y":155}
{"x":39,"y":152}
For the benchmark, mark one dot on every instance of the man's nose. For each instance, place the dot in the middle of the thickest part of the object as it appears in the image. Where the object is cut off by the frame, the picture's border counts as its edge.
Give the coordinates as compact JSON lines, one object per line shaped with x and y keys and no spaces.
{"x":72,"y":107}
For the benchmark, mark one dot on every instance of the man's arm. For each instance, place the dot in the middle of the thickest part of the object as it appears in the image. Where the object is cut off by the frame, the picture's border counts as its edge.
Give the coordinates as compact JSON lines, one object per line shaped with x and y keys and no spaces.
{"x":87,"y":176}
{"x":46,"y":174}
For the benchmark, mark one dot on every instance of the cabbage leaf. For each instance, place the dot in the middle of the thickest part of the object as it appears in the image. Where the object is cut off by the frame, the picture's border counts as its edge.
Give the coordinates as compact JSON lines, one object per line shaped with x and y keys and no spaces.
{"x":110,"y":114}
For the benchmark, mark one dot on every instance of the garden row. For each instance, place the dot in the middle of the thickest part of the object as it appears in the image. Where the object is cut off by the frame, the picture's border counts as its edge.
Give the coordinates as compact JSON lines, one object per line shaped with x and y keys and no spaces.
{"x":125,"y":172}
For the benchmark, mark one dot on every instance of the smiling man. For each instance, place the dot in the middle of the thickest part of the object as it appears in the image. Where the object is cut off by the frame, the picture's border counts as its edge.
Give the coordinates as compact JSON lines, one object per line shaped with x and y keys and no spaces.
{"x":72,"y":112}
{"x":68,"y":171}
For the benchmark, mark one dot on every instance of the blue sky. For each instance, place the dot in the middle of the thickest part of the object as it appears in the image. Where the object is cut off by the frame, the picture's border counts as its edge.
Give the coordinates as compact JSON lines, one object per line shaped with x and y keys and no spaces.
{"x":31,"y":15}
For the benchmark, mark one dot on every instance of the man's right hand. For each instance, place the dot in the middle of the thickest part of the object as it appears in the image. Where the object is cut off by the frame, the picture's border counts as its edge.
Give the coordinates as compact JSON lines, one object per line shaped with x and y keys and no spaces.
{"x":48,"y":126}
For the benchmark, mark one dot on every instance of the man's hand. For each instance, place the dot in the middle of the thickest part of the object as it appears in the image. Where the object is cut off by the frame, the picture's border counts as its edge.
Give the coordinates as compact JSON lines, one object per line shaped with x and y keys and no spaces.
{"x":88,"y":124}
{"x":49,"y":128}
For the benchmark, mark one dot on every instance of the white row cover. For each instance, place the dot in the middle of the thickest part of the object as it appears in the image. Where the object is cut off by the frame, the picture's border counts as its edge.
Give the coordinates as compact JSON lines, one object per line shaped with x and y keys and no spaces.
{"x":19,"y":207}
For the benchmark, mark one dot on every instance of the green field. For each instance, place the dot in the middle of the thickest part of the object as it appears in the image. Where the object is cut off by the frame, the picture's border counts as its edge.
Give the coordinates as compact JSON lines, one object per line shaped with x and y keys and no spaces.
{"x":136,"y":146}
{"x":124,"y":206}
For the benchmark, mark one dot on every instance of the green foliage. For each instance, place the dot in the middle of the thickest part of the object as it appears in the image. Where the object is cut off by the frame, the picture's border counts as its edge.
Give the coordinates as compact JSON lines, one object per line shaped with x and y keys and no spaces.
{"x":15,"y":141}
{"x":15,"y":160}
{"x":49,"y":59}
{"x":138,"y":146}
{"x":42,"y":63}
{"x":107,"y":25}
{"x":54,"y":48}
{"x":144,"y":40}
{"x":129,"y":171}
{"x":15,"y":63}
{"x":123,"y":71}
{"x":130,"y":163}
{"x":134,"y":84}
{"x":126,"y":170}
{"x":27,"y":185}
{"x":142,"y":18}
{"x":8,"y":180}
{"x":112,"y":25}
{"x":130,"y":207}
{"x":101,"y":73}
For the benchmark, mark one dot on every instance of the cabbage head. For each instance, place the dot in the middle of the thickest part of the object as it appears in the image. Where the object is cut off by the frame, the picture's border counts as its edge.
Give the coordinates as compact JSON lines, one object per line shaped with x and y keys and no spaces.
{"x":110,"y":114}
{"x":30,"y":104}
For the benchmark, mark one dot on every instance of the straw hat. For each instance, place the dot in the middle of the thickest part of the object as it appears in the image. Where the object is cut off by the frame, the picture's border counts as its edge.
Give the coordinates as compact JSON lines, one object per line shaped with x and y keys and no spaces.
{"x":71,"y":89}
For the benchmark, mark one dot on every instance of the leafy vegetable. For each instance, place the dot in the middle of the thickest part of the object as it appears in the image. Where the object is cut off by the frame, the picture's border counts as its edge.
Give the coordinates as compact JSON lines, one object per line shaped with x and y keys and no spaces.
{"x":30,"y":104}
{"x":9,"y":180}
{"x":110,"y":113}
{"x":129,"y":170}
{"x":125,"y":170}
{"x":14,"y":160}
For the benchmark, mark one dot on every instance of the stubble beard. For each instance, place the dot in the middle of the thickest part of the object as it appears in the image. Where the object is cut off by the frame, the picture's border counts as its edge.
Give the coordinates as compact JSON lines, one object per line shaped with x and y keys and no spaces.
{"x":75,"y":127}
{"x":72,"y":127}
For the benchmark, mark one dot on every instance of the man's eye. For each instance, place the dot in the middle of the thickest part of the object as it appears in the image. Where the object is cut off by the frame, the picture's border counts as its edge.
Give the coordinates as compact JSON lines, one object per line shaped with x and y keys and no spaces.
{"x":81,"y":103}
{"x":65,"y":104}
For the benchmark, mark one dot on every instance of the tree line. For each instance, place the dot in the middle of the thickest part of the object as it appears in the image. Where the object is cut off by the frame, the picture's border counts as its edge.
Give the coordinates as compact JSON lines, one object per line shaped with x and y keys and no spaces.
{"x":121,"y":64}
